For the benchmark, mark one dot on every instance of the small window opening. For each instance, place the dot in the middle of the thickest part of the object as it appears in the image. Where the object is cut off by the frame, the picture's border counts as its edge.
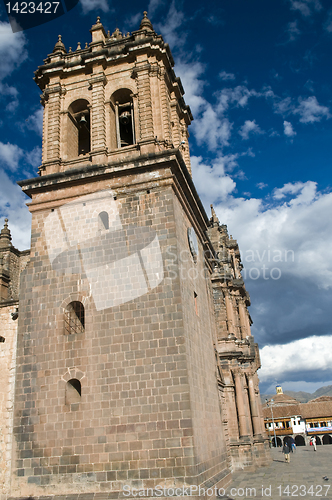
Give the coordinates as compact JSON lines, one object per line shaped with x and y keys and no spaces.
{"x":84,"y":133}
{"x":125,"y":124}
{"x":79,"y":128}
{"x":2,"y":339}
{"x":103,"y":220}
{"x":123,"y":109}
{"x":73,"y":391}
{"x":74,"y":318}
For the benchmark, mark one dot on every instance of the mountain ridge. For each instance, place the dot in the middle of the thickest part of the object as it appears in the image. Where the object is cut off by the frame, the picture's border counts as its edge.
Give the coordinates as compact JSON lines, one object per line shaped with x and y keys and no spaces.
{"x":301,"y":396}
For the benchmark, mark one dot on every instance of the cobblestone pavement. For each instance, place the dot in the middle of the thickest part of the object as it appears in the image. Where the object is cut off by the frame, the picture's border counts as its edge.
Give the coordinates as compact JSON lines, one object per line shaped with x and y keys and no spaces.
{"x":303,"y":477}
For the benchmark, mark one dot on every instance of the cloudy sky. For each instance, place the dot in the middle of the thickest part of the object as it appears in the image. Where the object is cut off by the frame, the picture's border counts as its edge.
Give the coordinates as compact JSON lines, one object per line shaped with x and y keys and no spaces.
{"x":257,"y":76}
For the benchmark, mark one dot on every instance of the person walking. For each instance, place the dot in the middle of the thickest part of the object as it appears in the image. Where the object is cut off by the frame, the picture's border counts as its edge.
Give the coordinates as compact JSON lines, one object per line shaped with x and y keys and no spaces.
{"x":286,"y":451}
{"x":314,"y":443}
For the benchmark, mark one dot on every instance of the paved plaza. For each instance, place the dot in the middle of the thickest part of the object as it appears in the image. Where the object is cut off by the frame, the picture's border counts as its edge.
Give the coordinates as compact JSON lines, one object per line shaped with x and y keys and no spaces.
{"x":302,"y":477}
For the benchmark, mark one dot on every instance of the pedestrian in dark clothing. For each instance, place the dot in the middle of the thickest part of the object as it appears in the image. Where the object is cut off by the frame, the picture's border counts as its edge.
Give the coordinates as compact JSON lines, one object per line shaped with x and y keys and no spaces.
{"x":286,"y":451}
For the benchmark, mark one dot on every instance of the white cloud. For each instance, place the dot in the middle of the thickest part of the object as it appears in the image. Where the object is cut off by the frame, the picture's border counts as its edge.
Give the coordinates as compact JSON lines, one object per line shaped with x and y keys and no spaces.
{"x":210,"y":126}
{"x":223,"y":75}
{"x":88,"y":5}
{"x":35,"y":121}
{"x":12,"y":205}
{"x":306,"y":7}
{"x":211,"y":180}
{"x":301,"y":356}
{"x":328,"y":23}
{"x":288,"y":129}
{"x":153,"y":6}
{"x":239,"y":96}
{"x":311,"y":111}
{"x":33,"y":157}
{"x":9,"y":92}
{"x":261,"y":185}
{"x":12,"y":49}
{"x":249,"y":127}
{"x":10,"y":154}
{"x":191,"y":78}
{"x":292,"y":31}
{"x":212,"y":130}
{"x":308,"y":109}
{"x":281,"y":106}
{"x":306,"y":192}
{"x":309,"y":85}
{"x":298,"y":225}
{"x":170,"y":28}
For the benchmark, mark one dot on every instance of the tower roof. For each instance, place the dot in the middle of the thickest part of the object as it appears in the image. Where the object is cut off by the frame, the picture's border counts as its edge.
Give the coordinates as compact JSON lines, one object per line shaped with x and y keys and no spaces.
{"x":146,"y":23}
{"x":59,"y":46}
{"x":5,"y":236}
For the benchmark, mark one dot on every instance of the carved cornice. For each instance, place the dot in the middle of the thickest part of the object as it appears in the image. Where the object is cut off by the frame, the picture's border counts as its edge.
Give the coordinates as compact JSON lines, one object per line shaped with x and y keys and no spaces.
{"x":57,"y":89}
{"x":101,"y":78}
{"x":140,"y":69}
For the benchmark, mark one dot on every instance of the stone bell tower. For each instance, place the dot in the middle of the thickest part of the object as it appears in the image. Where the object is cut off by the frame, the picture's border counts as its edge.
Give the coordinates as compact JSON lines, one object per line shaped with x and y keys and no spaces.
{"x":114,"y":99}
{"x":117,"y":361}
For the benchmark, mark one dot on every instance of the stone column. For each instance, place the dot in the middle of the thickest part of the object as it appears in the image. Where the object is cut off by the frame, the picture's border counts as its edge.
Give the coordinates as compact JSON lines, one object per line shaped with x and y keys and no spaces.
{"x":258,"y":404}
{"x":53,"y":96}
{"x":176,"y":133}
{"x":244,"y":322}
{"x":145,"y":118}
{"x":97,"y":116}
{"x":253,"y":406}
{"x":165,"y":107}
{"x":240,"y":403}
{"x":4,"y":282}
{"x":229,"y":313}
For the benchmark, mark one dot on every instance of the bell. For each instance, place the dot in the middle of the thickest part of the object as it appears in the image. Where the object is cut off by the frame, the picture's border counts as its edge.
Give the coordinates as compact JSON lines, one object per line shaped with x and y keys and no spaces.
{"x":125,"y":118}
{"x":83,"y":120}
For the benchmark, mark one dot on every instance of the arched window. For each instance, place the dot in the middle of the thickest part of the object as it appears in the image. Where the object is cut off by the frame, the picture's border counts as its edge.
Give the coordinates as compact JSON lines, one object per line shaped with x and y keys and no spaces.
{"x":74,"y":318}
{"x":123,"y":118}
{"x":78,"y":139}
{"x":73,"y":391}
{"x":103,"y":221}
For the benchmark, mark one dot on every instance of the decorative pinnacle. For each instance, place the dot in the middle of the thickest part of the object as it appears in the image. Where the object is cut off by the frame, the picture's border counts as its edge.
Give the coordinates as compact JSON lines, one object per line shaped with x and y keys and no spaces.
{"x":59,"y":46}
{"x":98,"y":20}
{"x":146,"y":23}
{"x":214,"y":215}
{"x":5,"y":236}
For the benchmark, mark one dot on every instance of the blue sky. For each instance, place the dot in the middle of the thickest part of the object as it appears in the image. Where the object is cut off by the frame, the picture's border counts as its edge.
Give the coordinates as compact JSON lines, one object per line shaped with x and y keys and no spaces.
{"x":257,"y":76}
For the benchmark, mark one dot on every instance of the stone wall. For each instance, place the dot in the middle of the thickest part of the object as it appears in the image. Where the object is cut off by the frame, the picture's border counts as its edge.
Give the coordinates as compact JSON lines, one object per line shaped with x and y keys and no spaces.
{"x":8,"y":330}
{"x":149,"y":409}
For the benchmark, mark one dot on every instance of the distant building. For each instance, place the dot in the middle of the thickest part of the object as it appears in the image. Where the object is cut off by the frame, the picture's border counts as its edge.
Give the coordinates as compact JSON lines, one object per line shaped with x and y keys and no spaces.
{"x":286,"y":417}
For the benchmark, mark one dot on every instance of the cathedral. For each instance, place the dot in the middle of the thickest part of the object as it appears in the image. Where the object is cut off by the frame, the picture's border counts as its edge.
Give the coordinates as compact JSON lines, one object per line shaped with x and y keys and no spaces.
{"x":127,"y":360}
